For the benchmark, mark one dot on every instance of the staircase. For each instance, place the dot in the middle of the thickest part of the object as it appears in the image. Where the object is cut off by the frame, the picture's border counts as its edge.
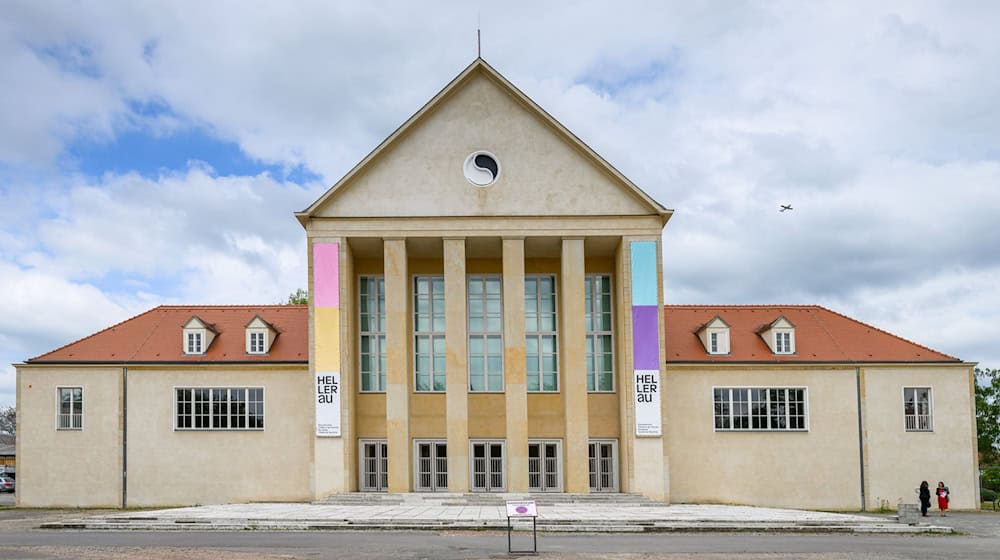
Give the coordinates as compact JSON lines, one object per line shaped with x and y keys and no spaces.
{"x":484,"y":499}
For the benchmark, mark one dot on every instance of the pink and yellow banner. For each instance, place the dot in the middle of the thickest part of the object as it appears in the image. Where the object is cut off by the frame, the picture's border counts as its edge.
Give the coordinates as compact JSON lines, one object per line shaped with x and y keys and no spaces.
{"x":326,"y":332}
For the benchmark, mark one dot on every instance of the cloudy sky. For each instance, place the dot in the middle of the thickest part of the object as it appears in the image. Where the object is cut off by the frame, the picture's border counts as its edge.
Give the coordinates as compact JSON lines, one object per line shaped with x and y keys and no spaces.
{"x":154,"y":152}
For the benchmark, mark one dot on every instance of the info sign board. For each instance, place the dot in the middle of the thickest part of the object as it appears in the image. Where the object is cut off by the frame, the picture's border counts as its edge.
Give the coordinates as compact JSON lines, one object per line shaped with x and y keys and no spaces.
{"x":647,"y":403}
{"x":522,"y":508}
{"x":328,"y":403}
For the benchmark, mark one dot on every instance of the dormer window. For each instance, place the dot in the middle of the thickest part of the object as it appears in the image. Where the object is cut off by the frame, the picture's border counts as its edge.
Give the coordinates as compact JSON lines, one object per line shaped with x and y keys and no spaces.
{"x":714,"y":336}
{"x":260,"y":336}
{"x":779,"y":336}
{"x":257,"y":342}
{"x":193,"y":343}
{"x":198,"y":336}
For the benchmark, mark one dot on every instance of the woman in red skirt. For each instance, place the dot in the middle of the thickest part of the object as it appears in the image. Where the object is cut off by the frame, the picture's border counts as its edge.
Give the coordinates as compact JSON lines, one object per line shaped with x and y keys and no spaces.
{"x":942,"y":496}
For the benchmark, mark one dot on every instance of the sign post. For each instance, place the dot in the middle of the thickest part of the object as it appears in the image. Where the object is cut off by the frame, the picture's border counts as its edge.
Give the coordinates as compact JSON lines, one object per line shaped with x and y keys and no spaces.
{"x":523,"y":508}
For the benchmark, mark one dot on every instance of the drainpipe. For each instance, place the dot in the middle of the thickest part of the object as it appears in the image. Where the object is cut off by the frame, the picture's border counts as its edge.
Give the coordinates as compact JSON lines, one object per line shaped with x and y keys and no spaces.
{"x":124,"y":437}
{"x":861,"y":441}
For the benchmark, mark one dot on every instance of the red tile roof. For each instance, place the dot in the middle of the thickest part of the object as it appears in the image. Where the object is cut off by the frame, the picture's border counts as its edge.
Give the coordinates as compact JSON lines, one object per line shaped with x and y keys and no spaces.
{"x":821,"y":335}
{"x":156,"y":337}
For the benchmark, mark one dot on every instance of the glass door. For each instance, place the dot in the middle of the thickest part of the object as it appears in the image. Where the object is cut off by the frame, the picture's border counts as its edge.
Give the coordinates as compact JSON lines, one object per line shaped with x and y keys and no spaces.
{"x":488,"y":466}
{"x":603,"y":457}
{"x":374,"y":468}
{"x":544,"y":462}
{"x":432,"y":466}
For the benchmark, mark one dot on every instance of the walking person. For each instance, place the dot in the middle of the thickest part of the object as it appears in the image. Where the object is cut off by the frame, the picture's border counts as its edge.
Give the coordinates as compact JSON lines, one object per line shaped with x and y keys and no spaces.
{"x":942,"y":493}
{"x":925,"y":498}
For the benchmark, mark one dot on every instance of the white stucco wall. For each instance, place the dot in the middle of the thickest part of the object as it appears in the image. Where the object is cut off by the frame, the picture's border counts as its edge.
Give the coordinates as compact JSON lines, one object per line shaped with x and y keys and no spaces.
{"x":68,"y":468}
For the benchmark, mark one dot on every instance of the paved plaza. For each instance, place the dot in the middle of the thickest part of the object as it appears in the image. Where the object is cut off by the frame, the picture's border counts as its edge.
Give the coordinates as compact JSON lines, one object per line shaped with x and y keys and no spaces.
{"x":421,"y":514}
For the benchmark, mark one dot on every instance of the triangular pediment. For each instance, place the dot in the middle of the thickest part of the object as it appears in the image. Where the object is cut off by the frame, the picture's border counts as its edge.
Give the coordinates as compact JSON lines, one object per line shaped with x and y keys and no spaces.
{"x":543,"y":169}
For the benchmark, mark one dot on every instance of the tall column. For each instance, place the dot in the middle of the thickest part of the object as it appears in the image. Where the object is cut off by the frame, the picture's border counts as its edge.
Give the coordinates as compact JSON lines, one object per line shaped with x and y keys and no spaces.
{"x":572,"y":358}
{"x":397,"y":358}
{"x":456,"y":365}
{"x":515,"y":366}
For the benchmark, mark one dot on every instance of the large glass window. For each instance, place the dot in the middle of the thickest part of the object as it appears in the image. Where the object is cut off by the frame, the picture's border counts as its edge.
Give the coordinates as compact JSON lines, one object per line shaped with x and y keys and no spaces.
{"x":70,"y":408}
{"x":428,"y":329}
{"x":917,"y":405}
{"x":219,"y":408}
{"x":540,"y":330}
{"x":485,"y":334}
{"x":760,"y":408}
{"x":372,"y":331}
{"x":600,"y":348}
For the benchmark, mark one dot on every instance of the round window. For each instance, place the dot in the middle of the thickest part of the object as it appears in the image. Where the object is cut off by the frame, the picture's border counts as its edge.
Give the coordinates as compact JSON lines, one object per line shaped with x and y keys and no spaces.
{"x":481,"y":168}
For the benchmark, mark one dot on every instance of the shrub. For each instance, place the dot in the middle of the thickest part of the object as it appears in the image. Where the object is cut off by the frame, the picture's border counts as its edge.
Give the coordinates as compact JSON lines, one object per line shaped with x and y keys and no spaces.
{"x":988,"y":495}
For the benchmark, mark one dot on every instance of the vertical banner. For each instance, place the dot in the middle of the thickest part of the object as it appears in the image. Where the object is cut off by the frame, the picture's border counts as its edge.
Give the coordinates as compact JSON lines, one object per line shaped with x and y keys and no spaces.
{"x":328,"y":403}
{"x":645,"y":338}
{"x":326,"y":329}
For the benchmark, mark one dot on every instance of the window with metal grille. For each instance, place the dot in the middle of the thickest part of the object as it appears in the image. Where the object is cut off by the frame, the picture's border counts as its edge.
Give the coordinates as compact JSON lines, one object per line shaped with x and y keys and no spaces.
{"x":917,"y":409}
{"x":70,"y":408}
{"x":431,"y":466}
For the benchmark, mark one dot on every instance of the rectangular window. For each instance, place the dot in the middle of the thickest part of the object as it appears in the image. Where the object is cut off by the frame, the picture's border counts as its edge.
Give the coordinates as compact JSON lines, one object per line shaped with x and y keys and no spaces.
{"x":917,"y":405}
{"x":760,"y":408}
{"x":257,"y":342}
{"x":70,"y":408}
{"x":782,"y":343}
{"x":428,"y":333}
{"x":219,"y":408}
{"x":600,"y":349}
{"x":372,"y":333}
{"x":194,"y":343}
{"x":714,"y":338}
{"x":485,"y":334}
{"x":540,"y":331}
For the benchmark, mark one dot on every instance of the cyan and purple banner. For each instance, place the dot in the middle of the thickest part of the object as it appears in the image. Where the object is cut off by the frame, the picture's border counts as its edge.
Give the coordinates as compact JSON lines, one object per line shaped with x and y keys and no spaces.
{"x":645,"y":338}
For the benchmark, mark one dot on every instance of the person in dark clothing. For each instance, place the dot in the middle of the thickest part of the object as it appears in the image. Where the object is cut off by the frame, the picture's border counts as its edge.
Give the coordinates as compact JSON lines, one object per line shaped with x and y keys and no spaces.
{"x":925,"y":498}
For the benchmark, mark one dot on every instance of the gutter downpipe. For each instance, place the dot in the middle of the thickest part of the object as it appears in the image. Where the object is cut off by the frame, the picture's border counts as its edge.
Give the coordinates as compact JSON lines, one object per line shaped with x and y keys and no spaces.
{"x":861,"y":442}
{"x":124,"y":437}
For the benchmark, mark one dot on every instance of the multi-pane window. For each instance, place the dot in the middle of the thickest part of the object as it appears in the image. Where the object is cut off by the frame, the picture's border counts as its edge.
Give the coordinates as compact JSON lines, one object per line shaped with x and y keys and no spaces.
{"x":485,"y":334}
{"x":428,"y":333}
{"x":220,"y":408}
{"x":917,"y":405}
{"x":257,"y":340}
{"x":70,"y":408}
{"x":760,"y":408}
{"x":597,"y":317}
{"x":782,"y":342}
{"x":714,"y":342}
{"x":541,"y":346}
{"x":372,"y":333}
{"x":193,"y":343}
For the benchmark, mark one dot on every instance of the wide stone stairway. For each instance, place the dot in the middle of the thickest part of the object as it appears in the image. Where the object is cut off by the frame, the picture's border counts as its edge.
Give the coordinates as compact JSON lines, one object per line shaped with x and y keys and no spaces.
{"x":447,"y":499}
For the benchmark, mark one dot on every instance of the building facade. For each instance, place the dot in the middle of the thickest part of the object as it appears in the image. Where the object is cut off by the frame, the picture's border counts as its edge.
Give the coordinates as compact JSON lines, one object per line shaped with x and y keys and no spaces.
{"x":486,"y":315}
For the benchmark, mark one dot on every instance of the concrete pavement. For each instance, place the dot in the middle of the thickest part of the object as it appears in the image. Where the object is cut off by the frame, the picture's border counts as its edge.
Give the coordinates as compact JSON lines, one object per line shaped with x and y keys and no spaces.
{"x":458,"y":511}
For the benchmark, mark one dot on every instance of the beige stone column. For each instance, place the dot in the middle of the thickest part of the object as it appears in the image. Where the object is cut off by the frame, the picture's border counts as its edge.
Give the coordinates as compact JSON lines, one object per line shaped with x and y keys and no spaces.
{"x":573,"y":366}
{"x":397,"y":358}
{"x":456,"y":365}
{"x":514,"y":365}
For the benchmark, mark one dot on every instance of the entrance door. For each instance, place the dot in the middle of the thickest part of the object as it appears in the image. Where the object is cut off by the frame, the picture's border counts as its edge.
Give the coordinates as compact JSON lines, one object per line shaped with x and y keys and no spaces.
{"x":374,"y":469}
{"x":544,"y":473}
{"x":488,"y":466}
{"x":603,"y":466}
{"x":432,"y":466}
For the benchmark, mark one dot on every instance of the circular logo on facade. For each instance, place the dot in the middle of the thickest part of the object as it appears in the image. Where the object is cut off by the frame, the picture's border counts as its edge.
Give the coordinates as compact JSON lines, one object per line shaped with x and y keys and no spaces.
{"x":482,"y":168}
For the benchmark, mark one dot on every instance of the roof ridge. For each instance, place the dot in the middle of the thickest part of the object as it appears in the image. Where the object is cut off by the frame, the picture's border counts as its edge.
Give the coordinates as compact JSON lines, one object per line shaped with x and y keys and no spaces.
{"x":885,"y":332}
{"x":742,"y":305}
{"x":231,"y":306}
{"x":92,"y":335}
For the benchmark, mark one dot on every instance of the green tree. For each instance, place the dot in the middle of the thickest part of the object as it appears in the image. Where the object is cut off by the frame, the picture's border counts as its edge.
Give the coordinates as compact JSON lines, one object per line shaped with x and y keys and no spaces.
{"x":988,"y":415}
{"x":298,"y":297}
{"x":8,"y":420}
